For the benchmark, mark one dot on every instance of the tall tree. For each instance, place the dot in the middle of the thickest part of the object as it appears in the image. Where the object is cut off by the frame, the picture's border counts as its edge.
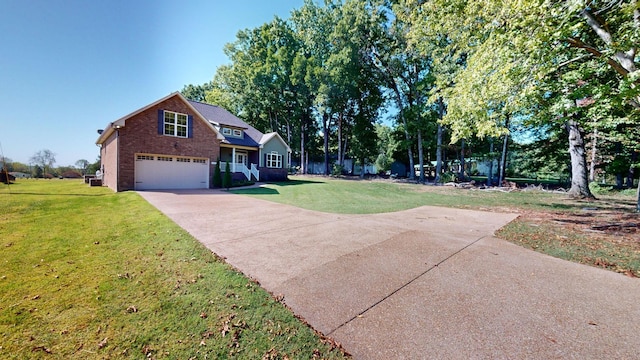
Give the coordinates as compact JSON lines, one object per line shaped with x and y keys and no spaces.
{"x":44,"y":159}
{"x":197,"y":92}
{"x":82,"y":165}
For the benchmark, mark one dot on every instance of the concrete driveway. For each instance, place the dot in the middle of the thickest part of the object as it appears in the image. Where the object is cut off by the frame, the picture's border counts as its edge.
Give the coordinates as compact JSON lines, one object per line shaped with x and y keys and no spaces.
{"x":426,"y":283}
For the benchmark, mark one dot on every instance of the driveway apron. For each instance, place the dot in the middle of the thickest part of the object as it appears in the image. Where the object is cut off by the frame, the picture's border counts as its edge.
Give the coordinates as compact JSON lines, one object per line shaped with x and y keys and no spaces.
{"x":425,"y":283}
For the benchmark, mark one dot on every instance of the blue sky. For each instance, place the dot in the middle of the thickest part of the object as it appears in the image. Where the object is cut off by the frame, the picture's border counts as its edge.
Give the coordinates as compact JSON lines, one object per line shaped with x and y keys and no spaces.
{"x":68,"y":68}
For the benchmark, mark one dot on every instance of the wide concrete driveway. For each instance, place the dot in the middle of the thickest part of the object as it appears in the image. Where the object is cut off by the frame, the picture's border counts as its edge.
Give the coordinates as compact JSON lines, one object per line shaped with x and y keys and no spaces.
{"x":426,"y":283}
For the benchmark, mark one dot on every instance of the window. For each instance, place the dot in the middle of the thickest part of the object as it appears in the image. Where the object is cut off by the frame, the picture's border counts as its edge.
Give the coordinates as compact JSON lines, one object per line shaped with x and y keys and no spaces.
{"x":231,"y":132}
{"x":274,"y":160}
{"x":175,"y":124}
{"x":183,"y":160}
{"x":144,"y":157}
{"x":164,"y":158}
{"x":200,"y":161}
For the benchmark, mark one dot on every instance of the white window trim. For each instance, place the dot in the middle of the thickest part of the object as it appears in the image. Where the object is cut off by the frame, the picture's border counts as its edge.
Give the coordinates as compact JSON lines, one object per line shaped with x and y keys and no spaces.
{"x":175,"y":124}
{"x":274,"y":160}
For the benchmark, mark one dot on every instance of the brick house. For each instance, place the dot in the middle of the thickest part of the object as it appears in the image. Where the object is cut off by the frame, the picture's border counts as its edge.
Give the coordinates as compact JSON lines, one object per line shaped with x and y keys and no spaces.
{"x":174,"y":143}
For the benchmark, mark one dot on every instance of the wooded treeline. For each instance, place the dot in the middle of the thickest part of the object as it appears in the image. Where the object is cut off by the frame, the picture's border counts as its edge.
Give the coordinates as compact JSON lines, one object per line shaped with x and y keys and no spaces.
{"x":461,"y":77}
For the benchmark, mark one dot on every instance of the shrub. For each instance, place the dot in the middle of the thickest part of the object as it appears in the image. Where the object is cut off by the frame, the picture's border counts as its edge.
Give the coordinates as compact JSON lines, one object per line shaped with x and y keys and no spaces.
{"x":336,"y":170}
{"x":226,"y":181}
{"x":217,"y":175}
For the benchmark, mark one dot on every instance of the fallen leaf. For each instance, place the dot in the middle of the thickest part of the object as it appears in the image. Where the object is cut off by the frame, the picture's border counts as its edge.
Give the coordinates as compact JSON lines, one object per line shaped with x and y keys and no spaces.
{"x":41,"y":348}
{"x":102,"y":343}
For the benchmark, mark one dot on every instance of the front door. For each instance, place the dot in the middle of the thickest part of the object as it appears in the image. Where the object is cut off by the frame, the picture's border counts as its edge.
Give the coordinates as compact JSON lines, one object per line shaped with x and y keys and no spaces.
{"x":241,"y":158}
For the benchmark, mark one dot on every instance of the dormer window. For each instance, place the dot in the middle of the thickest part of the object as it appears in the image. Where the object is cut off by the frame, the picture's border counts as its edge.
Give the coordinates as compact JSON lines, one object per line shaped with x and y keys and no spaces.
{"x":232,"y":132}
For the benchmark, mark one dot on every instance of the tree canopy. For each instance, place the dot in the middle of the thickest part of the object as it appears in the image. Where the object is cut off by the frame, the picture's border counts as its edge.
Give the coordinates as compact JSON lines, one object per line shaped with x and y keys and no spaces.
{"x":453,"y":71}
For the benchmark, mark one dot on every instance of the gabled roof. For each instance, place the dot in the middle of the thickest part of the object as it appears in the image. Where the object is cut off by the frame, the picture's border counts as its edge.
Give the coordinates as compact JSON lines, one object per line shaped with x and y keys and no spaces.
{"x":214,"y":116}
{"x":122,"y":121}
{"x":221,"y":117}
{"x":273,"y":135}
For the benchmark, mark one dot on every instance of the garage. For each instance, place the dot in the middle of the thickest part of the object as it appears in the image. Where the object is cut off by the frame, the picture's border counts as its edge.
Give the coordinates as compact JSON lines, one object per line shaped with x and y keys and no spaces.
{"x":154,"y":172}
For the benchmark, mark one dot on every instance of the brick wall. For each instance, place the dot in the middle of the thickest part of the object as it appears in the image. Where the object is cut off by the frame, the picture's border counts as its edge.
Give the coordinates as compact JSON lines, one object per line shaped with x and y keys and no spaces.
{"x":140,"y":135}
{"x":109,"y":162}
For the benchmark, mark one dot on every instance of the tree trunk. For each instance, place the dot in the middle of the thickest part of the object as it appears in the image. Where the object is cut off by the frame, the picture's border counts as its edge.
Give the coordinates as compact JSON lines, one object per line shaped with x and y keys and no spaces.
{"x":632,"y":170}
{"x":340,"y":140}
{"x":592,"y":165}
{"x":439,"y":141}
{"x":325,"y":128}
{"x":461,"y":176}
{"x":579,"y":180}
{"x":420,"y":156}
{"x":638,"y":197}
{"x":303,"y":167}
{"x":490,"y":176}
{"x":344,"y":151}
{"x":503,"y":159}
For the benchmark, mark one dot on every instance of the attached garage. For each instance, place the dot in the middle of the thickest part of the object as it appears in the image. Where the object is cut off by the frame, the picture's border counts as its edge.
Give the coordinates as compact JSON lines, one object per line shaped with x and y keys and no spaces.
{"x":153,"y":172}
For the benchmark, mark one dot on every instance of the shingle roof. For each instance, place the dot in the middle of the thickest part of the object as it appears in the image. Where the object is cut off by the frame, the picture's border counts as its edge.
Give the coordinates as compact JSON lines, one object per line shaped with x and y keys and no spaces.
{"x":220,"y":116}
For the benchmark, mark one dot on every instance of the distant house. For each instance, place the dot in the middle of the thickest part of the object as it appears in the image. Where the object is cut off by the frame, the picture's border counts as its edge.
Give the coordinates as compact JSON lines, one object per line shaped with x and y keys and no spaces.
{"x":174,"y":143}
{"x":20,"y":175}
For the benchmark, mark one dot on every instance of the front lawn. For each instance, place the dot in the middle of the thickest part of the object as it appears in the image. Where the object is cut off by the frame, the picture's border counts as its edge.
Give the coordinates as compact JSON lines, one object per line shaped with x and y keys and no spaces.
{"x":601,"y":233}
{"x":90,"y":274}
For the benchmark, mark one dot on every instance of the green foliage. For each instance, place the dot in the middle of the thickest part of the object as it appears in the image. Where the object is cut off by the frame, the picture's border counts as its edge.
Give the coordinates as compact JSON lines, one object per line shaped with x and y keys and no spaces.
{"x":197,"y":92}
{"x":227,"y":179}
{"x":383,"y":162}
{"x":448,"y":177}
{"x":217,"y":175}
{"x":337,"y":170}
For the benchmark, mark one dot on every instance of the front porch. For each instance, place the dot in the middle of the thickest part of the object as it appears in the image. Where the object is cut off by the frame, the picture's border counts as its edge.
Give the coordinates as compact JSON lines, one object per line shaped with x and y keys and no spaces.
{"x":241,"y":171}
{"x":243,"y":162}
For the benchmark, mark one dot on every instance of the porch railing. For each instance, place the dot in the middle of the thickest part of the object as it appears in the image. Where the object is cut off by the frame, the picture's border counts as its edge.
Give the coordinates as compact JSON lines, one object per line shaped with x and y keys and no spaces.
{"x":255,"y":172}
{"x":241,"y":168}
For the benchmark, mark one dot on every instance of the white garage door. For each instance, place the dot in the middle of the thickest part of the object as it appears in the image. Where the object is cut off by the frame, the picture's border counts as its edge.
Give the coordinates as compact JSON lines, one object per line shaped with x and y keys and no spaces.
{"x":171,"y":172}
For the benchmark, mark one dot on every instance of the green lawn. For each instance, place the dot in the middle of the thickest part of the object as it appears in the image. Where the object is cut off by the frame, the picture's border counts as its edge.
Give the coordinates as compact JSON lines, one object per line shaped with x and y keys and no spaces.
{"x":368,"y":197}
{"x":550,"y":223}
{"x":90,"y":274}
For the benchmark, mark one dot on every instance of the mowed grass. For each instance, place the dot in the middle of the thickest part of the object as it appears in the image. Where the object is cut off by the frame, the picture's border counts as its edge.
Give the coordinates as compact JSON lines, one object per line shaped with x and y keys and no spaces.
{"x":86,"y":273}
{"x":370,"y":197}
{"x":551,"y":223}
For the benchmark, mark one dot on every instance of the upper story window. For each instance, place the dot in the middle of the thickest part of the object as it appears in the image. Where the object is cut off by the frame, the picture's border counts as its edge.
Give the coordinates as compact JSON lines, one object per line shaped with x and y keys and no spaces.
{"x":175,"y":124}
{"x":231,"y":132}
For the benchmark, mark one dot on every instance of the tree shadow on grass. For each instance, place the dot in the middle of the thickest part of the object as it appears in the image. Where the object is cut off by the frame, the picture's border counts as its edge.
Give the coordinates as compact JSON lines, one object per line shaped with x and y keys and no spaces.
{"x":256,"y":191}
{"x":295,"y":182}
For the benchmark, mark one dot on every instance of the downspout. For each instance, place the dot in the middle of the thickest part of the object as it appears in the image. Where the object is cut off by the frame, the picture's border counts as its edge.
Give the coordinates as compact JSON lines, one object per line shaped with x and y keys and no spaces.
{"x":117,"y":161}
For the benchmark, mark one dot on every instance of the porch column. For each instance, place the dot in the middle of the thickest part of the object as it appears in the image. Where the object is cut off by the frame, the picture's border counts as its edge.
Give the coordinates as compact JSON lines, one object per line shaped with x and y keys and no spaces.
{"x":233,"y":159}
